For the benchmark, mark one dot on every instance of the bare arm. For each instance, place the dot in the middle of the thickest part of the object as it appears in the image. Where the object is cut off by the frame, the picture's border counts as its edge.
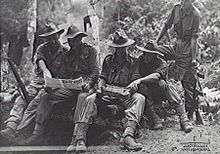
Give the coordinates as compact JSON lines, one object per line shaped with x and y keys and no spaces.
{"x":154,"y":77}
{"x":44,"y":69}
{"x":168,"y":24}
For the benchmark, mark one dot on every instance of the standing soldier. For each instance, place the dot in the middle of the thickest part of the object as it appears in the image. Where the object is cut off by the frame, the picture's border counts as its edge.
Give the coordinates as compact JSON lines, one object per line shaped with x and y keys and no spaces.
{"x":185,"y":18}
{"x":79,"y":61}
{"x":48,"y":55}
{"x":118,"y":69}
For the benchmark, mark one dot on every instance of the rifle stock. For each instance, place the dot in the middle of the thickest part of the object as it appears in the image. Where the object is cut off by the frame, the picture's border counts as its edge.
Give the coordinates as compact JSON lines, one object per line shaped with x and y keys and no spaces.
{"x":18,"y":79}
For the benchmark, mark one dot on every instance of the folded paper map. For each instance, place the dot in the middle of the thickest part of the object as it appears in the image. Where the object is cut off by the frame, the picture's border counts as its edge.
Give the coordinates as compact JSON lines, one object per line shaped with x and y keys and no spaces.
{"x":75,"y":84}
{"x":115,"y":90}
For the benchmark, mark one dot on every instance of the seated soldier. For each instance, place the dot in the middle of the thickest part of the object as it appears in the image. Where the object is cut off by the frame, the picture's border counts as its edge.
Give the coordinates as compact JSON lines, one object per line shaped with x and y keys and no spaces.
{"x":47,"y":58}
{"x":153,"y":85}
{"x":119,"y":70}
{"x":79,"y":61}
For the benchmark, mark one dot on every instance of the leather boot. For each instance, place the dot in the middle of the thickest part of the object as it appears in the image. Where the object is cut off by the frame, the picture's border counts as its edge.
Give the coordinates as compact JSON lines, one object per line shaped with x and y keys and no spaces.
{"x":128,"y":140}
{"x":185,"y":124}
{"x":78,"y":143}
{"x":8,"y":135}
{"x":36,"y":138}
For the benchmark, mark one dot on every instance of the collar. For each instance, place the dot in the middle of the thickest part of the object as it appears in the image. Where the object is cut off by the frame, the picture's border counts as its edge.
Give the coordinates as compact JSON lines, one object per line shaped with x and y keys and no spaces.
{"x":126,"y":60}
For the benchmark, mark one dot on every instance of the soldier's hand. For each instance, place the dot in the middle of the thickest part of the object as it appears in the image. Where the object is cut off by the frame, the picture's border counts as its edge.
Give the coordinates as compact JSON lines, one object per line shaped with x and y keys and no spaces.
{"x":86,"y":87}
{"x":134,"y":85}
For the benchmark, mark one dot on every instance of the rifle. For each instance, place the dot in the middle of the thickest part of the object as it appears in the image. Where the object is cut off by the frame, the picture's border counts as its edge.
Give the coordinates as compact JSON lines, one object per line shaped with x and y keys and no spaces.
{"x":21,"y":85}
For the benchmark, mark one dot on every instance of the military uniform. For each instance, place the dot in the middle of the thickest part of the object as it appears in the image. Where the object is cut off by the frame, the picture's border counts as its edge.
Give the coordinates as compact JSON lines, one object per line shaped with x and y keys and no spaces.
{"x":156,"y":92}
{"x":83,"y":64}
{"x":22,"y":113}
{"x":114,"y":74}
{"x":53,"y":56}
{"x":186,"y":26}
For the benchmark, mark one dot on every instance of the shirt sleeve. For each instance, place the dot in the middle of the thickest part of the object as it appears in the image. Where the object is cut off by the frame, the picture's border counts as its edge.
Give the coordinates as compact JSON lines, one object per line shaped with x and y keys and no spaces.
{"x":105,"y":68}
{"x":195,"y":27}
{"x":93,"y":65}
{"x":135,"y":71}
{"x":40,"y":55}
{"x":162,"y":69}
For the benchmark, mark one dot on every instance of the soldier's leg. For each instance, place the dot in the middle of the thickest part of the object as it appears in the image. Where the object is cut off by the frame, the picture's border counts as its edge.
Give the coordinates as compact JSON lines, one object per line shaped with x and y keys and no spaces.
{"x":86,"y":109}
{"x":16,"y":114}
{"x":192,"y":89}
{"x":30,"y":112}
{"x":174,"y":98}
{"x":44,"y":110}
{"x":189,"y":84}
{"x":155,"y":121}
{"x":135,"y":108}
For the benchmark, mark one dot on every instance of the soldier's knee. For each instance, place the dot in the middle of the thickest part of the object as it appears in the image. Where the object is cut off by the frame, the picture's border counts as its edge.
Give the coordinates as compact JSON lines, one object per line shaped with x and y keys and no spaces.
{"x":139,"y":97}
{"x":90,"y":98}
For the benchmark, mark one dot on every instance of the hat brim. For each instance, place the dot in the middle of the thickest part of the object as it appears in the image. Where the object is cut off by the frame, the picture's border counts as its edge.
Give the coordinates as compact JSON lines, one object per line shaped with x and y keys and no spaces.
{"x":58,"y":31}
{"x":76,"y":34}
{"x":128,"y":43}
{"x":149,"y":51}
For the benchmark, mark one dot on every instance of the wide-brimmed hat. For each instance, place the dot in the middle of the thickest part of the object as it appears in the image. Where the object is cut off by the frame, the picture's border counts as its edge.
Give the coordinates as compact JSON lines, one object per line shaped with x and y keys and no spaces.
{"x":149,"y":48}
{"x":50,"y":30}
{"x":73,"y":31}
{"x":119,"y":39}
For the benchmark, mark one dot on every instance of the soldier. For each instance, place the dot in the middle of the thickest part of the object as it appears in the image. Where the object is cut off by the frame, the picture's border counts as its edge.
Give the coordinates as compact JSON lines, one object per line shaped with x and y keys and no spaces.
{"x":185,"y":19}
{"x":118,"y":69}
{"x":45,"y":65}
{"x":153,"y":85}
{"x":79,"y":61}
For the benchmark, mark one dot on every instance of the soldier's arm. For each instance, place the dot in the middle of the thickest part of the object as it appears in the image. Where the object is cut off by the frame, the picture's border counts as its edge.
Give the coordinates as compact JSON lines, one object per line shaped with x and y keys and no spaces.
{"x":93,"y":64}
{"x":168,"y":24}
{"x":40,"y":60}
{"x":159,"y":73}
{"x":195,"y":30}
{"x":44,"y":69}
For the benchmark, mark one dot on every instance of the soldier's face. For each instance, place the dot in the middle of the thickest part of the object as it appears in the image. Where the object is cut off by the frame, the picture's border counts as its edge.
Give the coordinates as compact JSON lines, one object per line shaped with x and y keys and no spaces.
{"x":75,"y":42}
{"x":52,"y":38}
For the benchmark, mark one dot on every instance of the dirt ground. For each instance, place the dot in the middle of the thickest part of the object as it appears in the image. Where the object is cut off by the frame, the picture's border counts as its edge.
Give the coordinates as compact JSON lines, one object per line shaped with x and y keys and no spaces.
{"x":203,"y":139}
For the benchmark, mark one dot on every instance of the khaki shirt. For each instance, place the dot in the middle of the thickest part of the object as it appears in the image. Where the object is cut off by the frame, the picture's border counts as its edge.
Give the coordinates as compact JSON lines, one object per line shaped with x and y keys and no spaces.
{"x":119,"y":74}
{"x":186,"y":24}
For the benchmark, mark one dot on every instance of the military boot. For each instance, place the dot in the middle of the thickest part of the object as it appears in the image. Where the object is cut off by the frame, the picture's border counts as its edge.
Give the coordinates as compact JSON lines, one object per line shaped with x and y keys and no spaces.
{"x":78,"y":143}
{"x":185,"y":124}
{"x":36,"y":138}
{"x":128,"y":141}
{"x":8,"y":135}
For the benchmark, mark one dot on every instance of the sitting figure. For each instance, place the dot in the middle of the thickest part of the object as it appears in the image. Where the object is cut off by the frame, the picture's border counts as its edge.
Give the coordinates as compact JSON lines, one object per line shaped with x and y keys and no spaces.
{"x":79,"y":61}
{"x":153,"y":85}
{"x":47,"y":61}
{"x":118,"y":69}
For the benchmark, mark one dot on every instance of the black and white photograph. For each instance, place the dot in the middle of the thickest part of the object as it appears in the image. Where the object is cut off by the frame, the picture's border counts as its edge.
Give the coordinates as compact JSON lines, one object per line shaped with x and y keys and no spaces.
{"x":110,"y":76}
